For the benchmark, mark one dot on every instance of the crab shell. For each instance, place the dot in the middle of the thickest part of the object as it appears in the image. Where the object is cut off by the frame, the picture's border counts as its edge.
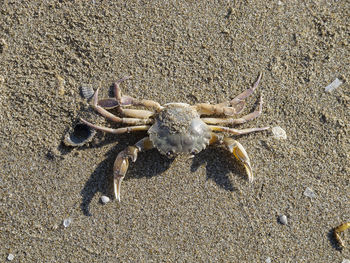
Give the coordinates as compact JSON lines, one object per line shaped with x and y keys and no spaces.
{"x":178,"y":129}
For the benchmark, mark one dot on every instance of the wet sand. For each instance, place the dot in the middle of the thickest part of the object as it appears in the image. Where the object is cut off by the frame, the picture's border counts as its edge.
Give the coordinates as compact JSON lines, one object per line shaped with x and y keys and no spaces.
{"x":187,"y":210}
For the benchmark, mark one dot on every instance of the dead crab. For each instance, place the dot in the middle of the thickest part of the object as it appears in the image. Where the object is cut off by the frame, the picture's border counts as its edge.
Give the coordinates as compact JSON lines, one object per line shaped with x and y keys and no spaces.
{"x":175,"y":128}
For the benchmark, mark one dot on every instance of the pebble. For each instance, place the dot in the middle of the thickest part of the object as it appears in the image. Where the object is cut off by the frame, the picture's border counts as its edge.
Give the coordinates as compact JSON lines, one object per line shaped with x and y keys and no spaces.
{"x":67,"y":222}
{"x":105,"y":199}
{"x":268,"y":260}
{"x":283,"y":219}
{"x":345,"y":260}
{"x":335,"y":84}
{"x":309,"y":192}
{"x":10,"y":257}
{"x":279,"y":133}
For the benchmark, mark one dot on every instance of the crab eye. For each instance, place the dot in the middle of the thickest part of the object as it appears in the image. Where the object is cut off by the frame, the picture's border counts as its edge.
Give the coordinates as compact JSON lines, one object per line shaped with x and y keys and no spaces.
{"x":169,"y":153}
{"x":195,"y":151}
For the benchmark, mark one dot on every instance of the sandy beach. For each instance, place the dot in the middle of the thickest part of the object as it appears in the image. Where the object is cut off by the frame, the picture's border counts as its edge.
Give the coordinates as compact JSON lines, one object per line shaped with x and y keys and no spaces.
{"x":185,"y":210}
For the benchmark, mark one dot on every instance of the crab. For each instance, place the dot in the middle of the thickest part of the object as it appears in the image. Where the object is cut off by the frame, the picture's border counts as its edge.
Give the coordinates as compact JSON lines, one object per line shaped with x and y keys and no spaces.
{"x":175,"y":128}
{"x":338,"y":230}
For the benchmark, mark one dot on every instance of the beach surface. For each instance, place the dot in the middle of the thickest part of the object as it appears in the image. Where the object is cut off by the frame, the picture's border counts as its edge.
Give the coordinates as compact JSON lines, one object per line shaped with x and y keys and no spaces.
{"x":200,"y":209}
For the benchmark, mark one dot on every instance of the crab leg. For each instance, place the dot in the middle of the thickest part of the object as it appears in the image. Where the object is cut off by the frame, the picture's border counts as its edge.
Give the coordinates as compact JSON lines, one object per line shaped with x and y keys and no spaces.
{"x":116,"y":131}
{"x":130,"y":101}
{"x":142,"y":114}
{"x":238,"y":151}
{"x":236,"y":131}
{"x":237,"y":104}
{"x":121,"y":163}
{"x":233,"y":121}
{"x":107,"y":114}
{"x":340,"y":229}
{"x":219,"y":109}
{"x":241,"y":97}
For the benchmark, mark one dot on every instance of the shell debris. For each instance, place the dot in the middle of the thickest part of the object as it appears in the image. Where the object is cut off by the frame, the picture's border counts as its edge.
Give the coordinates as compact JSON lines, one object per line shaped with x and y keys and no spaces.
{"x":309,"y":192}
{"x":67,"y":222}
{"x":86,"y":92}
{"x":279,"y":133}
{"x":283,"y":219}
{"x":10,"y":257}
{"x":105,"y":199}
{"x":79,"y":135}
{"x":335,"y":84}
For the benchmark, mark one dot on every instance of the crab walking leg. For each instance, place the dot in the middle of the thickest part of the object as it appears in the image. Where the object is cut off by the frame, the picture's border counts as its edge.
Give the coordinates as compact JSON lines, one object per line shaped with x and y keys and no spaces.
{"x":237,"y":104}
{"x":340,"y":229}
{"x":236,"y":131}
{"x":116,"y":131}
{"x":130,"y":101}
{"x":142,"y":114}
{"x":219,"y":109}
{"x":238,"y":151}
{"x":233,"y":121}
{"x":121,"y":163}
{"x":108,"y":115}
{"x":241,"y":97}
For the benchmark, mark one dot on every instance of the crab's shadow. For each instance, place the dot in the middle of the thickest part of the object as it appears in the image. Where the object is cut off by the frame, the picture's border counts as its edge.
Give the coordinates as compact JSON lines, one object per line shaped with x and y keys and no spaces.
{"x":219,"y":163}
{"x":101,"y":180}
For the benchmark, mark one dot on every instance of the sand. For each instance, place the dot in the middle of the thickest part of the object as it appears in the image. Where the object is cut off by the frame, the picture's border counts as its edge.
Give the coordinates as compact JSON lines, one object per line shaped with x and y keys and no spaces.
{"x":187,"y":210}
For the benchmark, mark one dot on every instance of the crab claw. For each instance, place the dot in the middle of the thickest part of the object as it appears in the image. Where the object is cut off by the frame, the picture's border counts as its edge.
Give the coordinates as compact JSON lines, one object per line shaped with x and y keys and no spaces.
{"x":239,"y":152}
{"x":121,"y":165}
{"x":119,"y":170}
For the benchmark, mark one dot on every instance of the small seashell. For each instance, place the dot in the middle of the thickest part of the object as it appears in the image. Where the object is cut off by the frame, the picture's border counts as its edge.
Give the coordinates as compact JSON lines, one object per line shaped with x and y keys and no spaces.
{"x":309,"y":192}
{"x":67,"y":222}
{"x":105,"y":199}
{"x":87,"y":92}
{"x":283,"y":219}
{"x":10,"y":257}
{"x":279,"y":133}
{"x":79,"y":135}
{"x":335,"y":84}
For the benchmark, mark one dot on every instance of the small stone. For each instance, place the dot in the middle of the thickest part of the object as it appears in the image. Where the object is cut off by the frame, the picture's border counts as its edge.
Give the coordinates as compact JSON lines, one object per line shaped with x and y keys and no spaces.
{"x":67,"y":222}
{"x":10,"y":257}
{"x":268,"y":260}
{"x":345,"y":260}
{"x":335,"y":84}
{"x":279,"y":133}
{"x":60,"y":82}
{"x":105,"y":199}
{"x":283,"y":219}
{"x":309,"y":193}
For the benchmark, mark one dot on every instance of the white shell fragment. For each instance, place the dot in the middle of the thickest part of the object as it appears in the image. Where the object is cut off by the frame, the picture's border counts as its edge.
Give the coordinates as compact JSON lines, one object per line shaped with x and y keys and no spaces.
{"x":10,"y":257}
{"x":335,"y":84}
{"x":86,"y":92}
{"x":279,"y":133}
{"x":309,"y":193}
{"x":283,"y":219}
{"x":105,"y":199}
{"x":345,"y":260}
{"x":67,"y":222}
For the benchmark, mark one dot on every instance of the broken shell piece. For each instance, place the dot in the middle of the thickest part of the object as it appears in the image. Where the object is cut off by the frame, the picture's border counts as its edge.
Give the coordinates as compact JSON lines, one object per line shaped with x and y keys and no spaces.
{"x":86,"y":92}
{"x":279,"y":133}
{"x":335,"y":84}
{"x":79,"y":135}
{"x":105,"y":199}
